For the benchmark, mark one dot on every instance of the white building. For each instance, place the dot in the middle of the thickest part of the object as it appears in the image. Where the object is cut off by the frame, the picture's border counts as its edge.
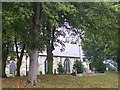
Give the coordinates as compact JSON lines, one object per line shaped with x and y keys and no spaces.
{"x":68,"y":56}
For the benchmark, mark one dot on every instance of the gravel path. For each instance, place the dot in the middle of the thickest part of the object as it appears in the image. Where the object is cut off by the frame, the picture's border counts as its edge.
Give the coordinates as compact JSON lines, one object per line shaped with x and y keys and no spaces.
{"x":91,"y":74}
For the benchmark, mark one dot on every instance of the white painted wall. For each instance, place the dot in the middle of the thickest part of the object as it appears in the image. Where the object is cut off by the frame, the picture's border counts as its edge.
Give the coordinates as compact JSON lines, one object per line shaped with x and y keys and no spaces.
{"x":41,"y":66}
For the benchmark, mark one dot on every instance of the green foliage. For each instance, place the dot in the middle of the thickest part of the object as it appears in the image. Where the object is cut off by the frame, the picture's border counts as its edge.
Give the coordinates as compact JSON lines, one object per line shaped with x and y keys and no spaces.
{"x":60,"y":69}
{"x":78,"y":66}
{"x":100,"y":66}
{"x":40,"y":72}
{"x":99,"y":20}
{"x":101,"y":33}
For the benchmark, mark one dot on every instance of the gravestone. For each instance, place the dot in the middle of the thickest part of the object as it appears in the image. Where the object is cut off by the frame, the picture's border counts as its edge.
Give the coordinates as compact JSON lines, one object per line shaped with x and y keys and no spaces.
{"x":12,"y":69}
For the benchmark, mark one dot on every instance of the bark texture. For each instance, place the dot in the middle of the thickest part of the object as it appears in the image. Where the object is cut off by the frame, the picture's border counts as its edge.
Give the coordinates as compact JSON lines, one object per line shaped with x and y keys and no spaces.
{"x":32,"y":74}
{"x":33,"y":48}
{"x":50,"y":48}
{"x":19,"y":58}
{"x":4,"y":59}
{"x":50,"y":60}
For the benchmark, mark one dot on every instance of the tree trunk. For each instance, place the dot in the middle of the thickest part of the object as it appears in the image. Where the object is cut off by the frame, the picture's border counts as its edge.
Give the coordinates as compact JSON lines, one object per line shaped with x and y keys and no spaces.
{"x":118,"y":63}
{"x":50,"y":60}
{"x":19,"y":58}
{"x":33,"y":49}
{"x":50,"y":48}
{"x":4,"y":59}
{"x":32,"y":74}
{"x":18,"y":67}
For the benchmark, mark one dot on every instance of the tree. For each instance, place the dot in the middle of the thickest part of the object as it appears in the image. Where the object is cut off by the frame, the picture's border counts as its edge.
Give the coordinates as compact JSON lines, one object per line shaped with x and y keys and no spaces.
{"x":100,"y":41}
{"x":100,"y":23}
{"x":100,"y":66}
{"x":60,"y":69}
{"x":35,"y":25}
{"x":6,"y":41}
{"x":78,"y":66}
{"x":19,"y":57}
{"x":25,"y":26}
{"x":33,"y":50}
{"x":15,"y":16}
{"x":92,"y":18}
{"x":52,"y":19}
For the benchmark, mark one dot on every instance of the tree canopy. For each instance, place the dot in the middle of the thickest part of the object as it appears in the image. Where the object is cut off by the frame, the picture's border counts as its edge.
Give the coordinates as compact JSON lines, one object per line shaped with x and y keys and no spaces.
{"x":36,"y":25}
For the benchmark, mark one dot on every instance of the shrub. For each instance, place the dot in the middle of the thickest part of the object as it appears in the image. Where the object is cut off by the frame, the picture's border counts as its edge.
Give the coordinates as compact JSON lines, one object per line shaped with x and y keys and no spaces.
{"x":40,"y":72}
{"x":79,"y":66}
{"x":60,"y":69}
{"x":100,"y":66}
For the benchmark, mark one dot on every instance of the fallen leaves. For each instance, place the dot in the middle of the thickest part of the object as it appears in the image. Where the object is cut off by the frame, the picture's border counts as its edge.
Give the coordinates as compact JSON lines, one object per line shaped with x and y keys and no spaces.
{"x":110,"y":80}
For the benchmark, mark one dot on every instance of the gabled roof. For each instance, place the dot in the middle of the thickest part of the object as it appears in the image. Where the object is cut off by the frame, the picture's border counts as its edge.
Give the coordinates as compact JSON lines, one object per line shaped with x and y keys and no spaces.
{"x":71,"y":50}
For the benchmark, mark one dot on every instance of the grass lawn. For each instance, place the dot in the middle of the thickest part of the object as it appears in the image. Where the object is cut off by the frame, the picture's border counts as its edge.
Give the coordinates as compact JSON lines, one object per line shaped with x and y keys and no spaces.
{"x":109,"y":80}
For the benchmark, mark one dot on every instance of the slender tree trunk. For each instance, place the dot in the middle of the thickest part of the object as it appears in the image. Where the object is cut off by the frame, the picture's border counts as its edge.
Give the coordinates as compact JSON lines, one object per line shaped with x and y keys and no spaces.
{"x":50,"y":48}
{"x":118,"y":63}
{"x":50,"y":60}
{"x":4,"y":59}
{"x":19,"y":58}
{"x":18,"y":67}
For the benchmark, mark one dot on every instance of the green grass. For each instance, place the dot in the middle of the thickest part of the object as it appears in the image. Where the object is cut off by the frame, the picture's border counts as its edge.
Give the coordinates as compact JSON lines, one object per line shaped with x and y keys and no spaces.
{"x":109,"y":80}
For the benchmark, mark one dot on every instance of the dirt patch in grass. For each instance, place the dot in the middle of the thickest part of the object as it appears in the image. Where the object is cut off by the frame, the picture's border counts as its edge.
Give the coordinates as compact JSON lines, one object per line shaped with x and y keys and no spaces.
{"x":109,"y":80}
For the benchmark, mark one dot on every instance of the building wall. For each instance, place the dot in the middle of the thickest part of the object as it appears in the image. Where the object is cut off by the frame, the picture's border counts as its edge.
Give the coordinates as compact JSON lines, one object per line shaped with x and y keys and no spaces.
{"x":41,"y":64}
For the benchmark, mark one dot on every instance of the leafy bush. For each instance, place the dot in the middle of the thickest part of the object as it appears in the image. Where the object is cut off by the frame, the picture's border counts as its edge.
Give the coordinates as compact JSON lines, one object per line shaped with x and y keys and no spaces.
{"x":40,"y":72}
{"x":60,"y":69}
{"x":79,"y":66}
{"x":100,"y":66}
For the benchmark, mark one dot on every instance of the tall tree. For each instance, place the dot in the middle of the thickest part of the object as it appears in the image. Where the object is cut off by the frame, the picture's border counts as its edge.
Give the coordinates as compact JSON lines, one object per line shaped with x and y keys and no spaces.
{"x":15,"y":17}
{"x":101,"y":33}
{"x":19,"y":55}
{"x":6,"y":40}
{"x":52,"y":17}
{"x":33,"y":50}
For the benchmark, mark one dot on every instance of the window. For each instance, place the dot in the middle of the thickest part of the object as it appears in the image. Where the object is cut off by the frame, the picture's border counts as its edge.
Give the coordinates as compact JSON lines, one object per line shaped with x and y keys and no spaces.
{"x":46,"y":66}
{"x":67,"y":66}
{"x":84,"y":60}
{"x":91,"y":66}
